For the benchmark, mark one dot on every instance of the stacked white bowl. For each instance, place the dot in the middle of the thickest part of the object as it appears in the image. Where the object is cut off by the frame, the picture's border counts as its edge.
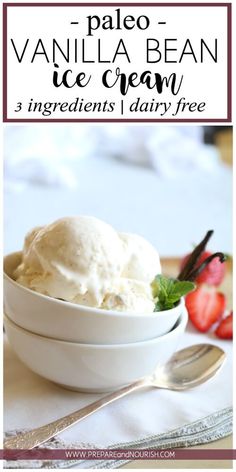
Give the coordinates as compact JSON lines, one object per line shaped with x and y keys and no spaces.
{"x":85,"y":348}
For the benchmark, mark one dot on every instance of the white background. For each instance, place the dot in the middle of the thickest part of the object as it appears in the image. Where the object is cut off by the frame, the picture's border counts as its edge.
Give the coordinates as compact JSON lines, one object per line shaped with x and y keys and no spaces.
{"x":34,"y":80}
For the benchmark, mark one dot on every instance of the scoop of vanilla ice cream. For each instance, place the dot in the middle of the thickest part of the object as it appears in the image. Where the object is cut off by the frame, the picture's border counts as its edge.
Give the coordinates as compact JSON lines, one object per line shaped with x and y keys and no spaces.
{"x":143,"y":262}
{"x":35,"y":266}
{"x":30,"y":237}
{"x":130,"y":295}
{"x":85,"y":261}
{"x":74,"y":257}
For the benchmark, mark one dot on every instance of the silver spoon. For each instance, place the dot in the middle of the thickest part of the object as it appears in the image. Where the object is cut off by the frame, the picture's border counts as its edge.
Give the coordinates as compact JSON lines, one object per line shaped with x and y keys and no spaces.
{"x":186,"y":369}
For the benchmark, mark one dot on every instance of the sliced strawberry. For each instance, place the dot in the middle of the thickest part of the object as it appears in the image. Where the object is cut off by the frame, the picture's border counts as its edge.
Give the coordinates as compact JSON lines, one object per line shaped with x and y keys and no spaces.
{"x":205,"y":306}
{"x":214,"y":272}
{"x":225,"y":328}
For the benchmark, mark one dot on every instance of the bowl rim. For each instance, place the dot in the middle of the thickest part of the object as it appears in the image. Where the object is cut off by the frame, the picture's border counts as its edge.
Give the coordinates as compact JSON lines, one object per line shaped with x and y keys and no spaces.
{"x":87,"y":309}
{"x":182,"y":320}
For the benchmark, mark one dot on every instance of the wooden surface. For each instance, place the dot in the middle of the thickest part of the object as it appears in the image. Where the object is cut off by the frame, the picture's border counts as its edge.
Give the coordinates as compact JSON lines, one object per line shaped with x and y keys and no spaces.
{"x":171,"y":267}
{"x":224,"y":143}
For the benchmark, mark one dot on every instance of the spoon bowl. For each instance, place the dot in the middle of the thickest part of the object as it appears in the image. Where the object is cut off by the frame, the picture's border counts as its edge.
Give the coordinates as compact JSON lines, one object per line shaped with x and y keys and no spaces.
{"x":189,"y":367}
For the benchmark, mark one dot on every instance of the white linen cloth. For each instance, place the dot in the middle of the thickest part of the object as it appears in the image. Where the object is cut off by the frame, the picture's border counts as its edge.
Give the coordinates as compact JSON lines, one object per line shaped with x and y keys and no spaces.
{"x":30,"y":401}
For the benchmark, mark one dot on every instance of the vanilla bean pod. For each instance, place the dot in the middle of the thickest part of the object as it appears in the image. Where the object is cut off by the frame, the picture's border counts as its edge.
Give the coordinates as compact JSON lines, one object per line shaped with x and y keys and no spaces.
{"x":194,"y":257}
{"x":196,"y":271}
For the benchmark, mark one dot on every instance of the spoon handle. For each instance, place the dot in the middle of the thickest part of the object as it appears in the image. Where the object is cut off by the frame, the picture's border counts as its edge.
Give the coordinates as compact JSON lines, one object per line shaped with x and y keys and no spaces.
{"x":37,"y":436}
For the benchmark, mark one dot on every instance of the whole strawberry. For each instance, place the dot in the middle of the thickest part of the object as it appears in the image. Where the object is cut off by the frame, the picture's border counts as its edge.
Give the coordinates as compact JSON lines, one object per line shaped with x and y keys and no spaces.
{"x":214,"y":272}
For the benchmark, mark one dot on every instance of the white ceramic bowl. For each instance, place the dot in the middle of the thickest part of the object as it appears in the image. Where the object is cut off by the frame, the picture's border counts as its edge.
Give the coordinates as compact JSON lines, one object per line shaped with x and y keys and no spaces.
{"x":91,"y":367}
{"x":76,"y":323}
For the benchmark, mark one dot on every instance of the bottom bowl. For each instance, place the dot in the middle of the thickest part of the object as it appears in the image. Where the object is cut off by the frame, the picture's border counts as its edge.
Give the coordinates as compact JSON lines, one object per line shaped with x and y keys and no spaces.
{"x":92,"y":367}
